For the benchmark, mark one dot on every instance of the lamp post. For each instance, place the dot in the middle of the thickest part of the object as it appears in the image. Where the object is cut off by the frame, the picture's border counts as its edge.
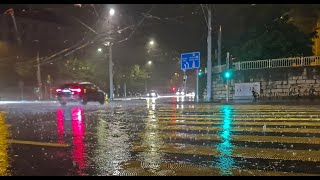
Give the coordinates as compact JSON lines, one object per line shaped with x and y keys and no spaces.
{"x":39,"y":83}
{"x":110,"y":71}
{"x":111,"y":13}
{"x":151,"y":45}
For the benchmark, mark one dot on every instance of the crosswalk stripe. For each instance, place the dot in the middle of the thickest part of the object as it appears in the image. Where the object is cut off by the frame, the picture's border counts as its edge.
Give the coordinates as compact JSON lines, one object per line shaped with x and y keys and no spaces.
{"x":135,"y":167}
{"x":182,"y":124}
{"x":285,"y":108}
{"x":260,"y":107}
{"x":38,"y":143}
{"x":263,"y":139}
{"x":236,"y":118}
{"x":249,"y":129}
{"x":246,"y":111}
{"x":261,"y":153}
{"x":242,"y":123}
{"x":243,"y":115}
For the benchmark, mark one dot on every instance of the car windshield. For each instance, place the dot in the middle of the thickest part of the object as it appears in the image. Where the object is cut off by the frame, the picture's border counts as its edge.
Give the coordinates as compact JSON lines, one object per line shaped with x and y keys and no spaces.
{"x":69,"y":85}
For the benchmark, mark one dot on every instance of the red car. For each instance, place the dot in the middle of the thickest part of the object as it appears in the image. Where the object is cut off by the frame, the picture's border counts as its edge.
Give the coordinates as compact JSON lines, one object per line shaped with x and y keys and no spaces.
{"x":80,"y":92}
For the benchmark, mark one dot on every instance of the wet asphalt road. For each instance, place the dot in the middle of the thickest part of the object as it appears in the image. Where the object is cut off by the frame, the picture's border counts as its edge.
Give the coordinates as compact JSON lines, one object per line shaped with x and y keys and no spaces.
{"x":159,"y":137}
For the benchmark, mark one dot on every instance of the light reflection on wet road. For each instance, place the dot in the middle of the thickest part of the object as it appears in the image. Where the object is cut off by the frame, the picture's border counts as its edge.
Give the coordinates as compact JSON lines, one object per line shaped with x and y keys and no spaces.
{"x":159,"y":137}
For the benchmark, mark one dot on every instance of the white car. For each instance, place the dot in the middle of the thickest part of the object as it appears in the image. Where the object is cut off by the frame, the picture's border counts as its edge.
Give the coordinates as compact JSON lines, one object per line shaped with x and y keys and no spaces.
{"x":152,"y":93}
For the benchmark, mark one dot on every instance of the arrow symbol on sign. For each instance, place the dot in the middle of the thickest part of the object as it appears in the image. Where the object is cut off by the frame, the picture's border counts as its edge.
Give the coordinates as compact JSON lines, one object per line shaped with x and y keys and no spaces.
{"x":186,"y":64}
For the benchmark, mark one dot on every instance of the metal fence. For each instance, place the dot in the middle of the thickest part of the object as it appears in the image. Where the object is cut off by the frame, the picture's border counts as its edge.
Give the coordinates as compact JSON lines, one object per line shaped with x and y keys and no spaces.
{"x":272,"y":63}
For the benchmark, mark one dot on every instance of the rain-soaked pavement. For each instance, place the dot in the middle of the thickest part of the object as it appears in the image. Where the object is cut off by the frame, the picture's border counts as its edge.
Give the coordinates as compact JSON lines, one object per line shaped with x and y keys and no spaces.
{"x":159,"y":137}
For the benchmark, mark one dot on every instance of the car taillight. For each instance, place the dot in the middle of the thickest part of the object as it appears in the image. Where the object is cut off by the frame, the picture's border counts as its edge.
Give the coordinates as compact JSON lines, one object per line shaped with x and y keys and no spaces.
{"x":76,"y":90}
{"x":58,"y":90}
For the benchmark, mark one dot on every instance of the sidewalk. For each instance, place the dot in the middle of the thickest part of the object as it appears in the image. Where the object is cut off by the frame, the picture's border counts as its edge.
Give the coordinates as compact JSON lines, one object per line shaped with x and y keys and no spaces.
{"x":127,"y":99}
{"x":294,"y":101}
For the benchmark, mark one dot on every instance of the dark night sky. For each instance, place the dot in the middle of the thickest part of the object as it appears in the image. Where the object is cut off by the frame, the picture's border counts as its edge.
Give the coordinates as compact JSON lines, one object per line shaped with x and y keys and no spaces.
{"x":174,"y":27}
{"x":183,"y":34}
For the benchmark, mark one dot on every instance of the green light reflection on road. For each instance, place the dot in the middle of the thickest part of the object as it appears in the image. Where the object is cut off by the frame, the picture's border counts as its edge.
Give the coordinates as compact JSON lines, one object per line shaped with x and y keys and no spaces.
{"x":225,"y":161}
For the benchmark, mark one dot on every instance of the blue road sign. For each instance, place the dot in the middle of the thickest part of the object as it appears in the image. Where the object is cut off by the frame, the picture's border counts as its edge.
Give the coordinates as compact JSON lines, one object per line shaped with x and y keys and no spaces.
{"x":190,"y":60}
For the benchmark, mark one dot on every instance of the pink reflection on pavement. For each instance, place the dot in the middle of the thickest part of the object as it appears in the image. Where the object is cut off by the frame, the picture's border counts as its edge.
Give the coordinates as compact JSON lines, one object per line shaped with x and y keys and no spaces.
{"x":78,"y":128}
{"x":60,"y":123}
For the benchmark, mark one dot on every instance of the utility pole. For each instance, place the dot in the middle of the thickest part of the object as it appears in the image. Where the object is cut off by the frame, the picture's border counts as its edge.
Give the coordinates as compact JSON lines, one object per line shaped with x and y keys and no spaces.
{"x":39,"y":74}
{"x":21,"y":84}
{"x":110,"y":71}
{"x":209,"y":63}
{"x":227,"y":86}
{"x":219,"y":48}
{"x":184,"y":82}
{"x":197,"y":86}
{"x":145,"y":86}
{"x":125,"y":90}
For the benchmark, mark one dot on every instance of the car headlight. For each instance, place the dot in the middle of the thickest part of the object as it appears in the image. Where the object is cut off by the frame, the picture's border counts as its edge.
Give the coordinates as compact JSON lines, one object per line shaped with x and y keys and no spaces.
{"x":148,"y":94}
{"x":182,"y":93}
{"x":153,"y":94}
{"x":177,"y":93}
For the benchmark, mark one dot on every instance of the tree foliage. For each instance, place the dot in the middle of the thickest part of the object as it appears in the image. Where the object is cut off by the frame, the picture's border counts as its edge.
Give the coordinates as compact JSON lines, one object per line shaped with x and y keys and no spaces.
{"x":77,"y":69}
{"x":275,"y":39}
{"x":25,"y":69}
{"x":137,"y":78}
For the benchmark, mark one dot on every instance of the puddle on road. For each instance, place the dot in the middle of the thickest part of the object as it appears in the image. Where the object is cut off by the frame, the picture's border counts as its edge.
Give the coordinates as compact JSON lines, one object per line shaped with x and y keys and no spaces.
{"x":112,"y":142}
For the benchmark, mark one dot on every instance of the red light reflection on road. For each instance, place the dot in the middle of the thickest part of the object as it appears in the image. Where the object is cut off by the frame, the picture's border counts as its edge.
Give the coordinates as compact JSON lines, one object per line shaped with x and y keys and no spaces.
{"x":60,"y":126}
{"x":78,"y":128}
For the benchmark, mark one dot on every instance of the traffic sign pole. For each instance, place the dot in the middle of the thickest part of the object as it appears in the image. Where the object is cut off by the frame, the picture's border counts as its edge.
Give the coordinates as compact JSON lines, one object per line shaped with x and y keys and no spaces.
{"x":185,"y":82}
{"x":227,"y":97}
{"x":190,"y":61}
{"x":197,"y":88}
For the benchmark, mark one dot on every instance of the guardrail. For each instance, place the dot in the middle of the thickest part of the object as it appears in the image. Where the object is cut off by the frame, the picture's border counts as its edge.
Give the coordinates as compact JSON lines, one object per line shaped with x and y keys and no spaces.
{"x":272,"y":63}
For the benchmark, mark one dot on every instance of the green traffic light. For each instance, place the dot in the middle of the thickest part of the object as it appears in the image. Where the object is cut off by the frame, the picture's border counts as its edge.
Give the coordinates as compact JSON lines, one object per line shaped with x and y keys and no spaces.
{"x":199,"y":73}
{"x":227,"y":75}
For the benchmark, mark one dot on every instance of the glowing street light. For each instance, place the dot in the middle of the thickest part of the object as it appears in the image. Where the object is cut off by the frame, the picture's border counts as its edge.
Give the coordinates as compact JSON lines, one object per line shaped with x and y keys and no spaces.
{"x":111,"y":12}
{"x":99,"y":50}
{"x":151,"y":43}
{"x":149,"y":62}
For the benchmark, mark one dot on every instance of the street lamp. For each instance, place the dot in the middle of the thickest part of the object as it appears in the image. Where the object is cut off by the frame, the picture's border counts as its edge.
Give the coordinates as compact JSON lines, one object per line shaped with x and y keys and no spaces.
{"x":99,"y":50}
{"x":38,"y":70}
{"x":151,"y":43}
{"x":149,"y":62}
{"x":111,"y":12}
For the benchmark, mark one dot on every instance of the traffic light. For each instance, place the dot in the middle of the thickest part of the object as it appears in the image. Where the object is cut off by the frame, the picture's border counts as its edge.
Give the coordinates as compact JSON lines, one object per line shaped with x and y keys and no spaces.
{"x":174,"y":89}
{"x":227,"y":74}
{"x":232,"y":63}
{"x":199,"y":73}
